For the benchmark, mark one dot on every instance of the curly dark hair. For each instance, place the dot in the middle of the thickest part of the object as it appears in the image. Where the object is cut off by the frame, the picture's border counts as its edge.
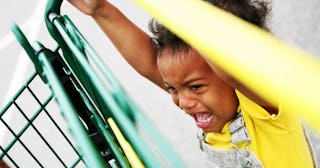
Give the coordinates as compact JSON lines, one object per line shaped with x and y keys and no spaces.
{"x":253,"y":11}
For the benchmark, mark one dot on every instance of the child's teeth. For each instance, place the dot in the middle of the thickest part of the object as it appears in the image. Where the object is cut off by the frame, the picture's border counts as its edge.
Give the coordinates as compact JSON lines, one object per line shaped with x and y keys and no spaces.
{"x":204,"y":118}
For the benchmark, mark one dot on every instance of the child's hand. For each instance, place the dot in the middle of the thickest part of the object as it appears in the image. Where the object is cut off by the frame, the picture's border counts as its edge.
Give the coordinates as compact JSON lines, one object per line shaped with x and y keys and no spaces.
{"x":90,"y":7}
{"x":3,"y":164}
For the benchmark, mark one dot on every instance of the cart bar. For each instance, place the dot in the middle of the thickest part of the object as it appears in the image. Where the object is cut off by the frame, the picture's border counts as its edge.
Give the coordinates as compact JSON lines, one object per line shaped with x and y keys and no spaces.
{"x":107,"y":98}
{"x":130,"y":153}
{"x":87,"y":149}
{"x":275,"y":71}
{"x":123,"y":99}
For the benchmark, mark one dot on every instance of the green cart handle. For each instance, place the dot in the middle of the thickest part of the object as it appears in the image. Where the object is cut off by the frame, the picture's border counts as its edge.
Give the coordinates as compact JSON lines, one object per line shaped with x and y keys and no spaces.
{"x":58,"y":28}
{"x":53,"y":7}
{"x":52,"y":12}
{"x":31,"y":52}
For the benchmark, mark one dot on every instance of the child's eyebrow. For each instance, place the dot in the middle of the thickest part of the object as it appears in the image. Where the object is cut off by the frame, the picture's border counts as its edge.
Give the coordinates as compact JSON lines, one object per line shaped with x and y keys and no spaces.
{"x":186,"y":83}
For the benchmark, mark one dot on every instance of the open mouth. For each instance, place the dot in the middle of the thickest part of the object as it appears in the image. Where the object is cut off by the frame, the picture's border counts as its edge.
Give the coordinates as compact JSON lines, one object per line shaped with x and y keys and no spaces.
{"x":203,"y":119}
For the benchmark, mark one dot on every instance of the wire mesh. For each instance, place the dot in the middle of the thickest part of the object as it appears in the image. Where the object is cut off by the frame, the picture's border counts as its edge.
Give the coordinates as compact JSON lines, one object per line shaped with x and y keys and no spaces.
{"x":34,"y":128}
{"x":102,"y":120}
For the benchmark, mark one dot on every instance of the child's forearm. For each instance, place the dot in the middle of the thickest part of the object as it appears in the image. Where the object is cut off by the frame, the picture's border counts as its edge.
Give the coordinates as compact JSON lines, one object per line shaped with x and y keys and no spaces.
{"x":242,"y":88}
{"x":133,"y":43}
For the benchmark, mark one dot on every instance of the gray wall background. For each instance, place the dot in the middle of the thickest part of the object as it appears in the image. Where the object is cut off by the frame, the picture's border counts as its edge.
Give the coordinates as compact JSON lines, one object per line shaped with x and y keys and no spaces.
{"x":296,"y":22}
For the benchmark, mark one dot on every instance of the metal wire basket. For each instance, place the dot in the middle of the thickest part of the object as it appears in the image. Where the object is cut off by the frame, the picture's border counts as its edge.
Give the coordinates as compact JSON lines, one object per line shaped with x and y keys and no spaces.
{"x":107,"y":129}
{"x":29,"y":132}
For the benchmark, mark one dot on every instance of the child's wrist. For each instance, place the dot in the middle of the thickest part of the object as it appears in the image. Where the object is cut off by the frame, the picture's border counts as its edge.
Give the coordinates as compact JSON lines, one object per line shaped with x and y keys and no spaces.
{"x":105,"y":11}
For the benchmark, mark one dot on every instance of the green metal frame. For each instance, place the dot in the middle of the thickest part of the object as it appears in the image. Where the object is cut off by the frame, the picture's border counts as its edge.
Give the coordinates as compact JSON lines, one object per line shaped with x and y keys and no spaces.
{"x":100,"y":101}
{"x":30,"y":124}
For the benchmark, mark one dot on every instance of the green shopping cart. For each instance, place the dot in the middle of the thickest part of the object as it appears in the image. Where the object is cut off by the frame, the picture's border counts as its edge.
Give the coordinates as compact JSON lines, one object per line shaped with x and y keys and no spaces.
{"x":101,"y":126}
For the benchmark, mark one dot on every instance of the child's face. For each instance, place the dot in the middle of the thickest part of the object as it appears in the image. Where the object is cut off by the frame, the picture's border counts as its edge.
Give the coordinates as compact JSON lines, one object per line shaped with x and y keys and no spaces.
{"x":197,"y":90}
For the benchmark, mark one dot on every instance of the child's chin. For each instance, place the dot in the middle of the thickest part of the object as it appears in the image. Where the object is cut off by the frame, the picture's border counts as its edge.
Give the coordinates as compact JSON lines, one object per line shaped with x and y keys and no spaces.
{"x":208,"y":130}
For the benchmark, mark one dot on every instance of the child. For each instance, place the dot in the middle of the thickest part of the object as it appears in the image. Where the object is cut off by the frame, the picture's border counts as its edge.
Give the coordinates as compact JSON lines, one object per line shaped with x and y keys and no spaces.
{"x":3,"y":164}
{"x":239,"y":128}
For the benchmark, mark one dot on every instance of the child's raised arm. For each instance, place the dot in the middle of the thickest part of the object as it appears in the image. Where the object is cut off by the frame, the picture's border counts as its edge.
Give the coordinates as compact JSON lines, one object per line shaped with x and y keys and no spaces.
{"x":133,"y":44}
{"x":242,"y":88}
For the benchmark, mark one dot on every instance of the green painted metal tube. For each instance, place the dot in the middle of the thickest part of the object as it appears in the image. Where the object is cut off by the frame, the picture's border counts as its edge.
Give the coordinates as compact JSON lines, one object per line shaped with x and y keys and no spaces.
{"x":85,"y":145}
{"x":121,"y":95}
{"x":117,"y":113}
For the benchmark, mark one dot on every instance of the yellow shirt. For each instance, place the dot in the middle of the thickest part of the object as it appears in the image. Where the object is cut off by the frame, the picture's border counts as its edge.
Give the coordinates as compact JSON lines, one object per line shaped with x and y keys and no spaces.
{"x":277,"y":140}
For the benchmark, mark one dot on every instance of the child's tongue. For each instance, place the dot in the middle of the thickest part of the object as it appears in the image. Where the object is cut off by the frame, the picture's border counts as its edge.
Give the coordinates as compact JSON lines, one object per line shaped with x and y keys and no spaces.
{"x":203,"y":119}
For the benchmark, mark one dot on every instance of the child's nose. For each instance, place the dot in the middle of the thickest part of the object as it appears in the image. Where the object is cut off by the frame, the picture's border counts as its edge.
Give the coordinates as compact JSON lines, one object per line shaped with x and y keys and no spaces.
{"x":186,"y":103}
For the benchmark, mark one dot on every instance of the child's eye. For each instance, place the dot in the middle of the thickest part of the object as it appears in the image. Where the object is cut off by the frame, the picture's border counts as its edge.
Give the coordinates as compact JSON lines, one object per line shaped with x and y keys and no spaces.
{"x":171,"y":89}
{"x":196,"y":87}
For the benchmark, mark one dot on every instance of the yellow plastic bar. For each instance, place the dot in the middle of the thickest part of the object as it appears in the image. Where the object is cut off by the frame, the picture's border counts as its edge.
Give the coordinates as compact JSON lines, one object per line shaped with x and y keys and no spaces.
{"x":274,"y":70}
{"x":133,"y":158}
